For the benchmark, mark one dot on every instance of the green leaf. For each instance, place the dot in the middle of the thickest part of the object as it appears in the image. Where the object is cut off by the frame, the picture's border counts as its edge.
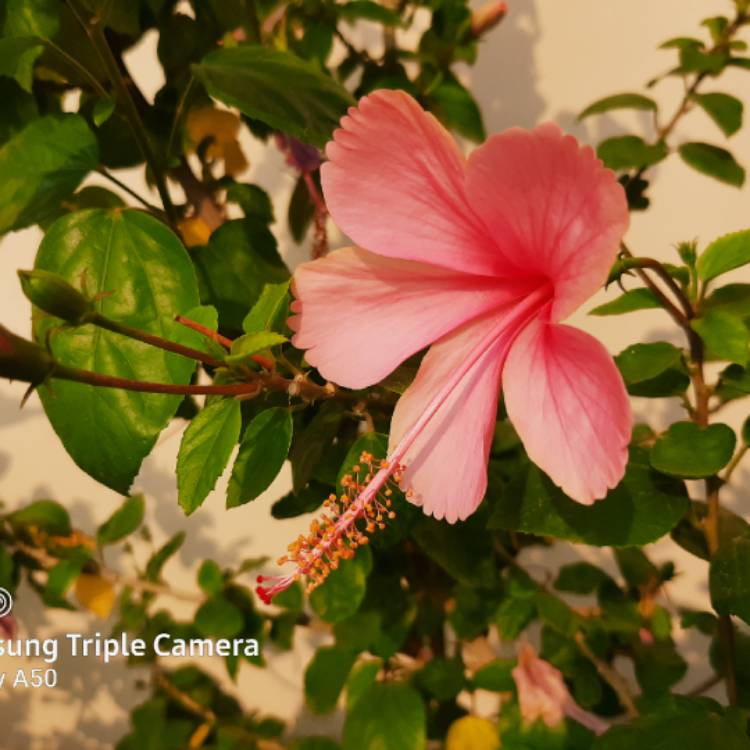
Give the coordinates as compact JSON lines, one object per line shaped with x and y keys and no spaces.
{"x":694,"y":59}
{"x":244,"y":347}
{"x":119,"y":15}
{"x":619,"y":101}
{"x":45,"y":515}
{"x":19,"y":107}
{"x":368,"y":10}
{"x":696,"y":726}
{"x":635,"y":299}
{"x":325,"y":677}
{"x":640,"y":510}
{"x":630,"y":151}
{"x":160,"y":558}
{"x":361,"y":679}
{"x":734,"y":383}
{"x":31,"y":18}
{"x":725,"y":254}
{"x":496,"y":676}
{"x":301,"y":210}
{"x":513,"y":615}
{"x":461,"y":549}
{"x":59,"y":580}
{"x":217,"y":617}
{"x":204,"y":451}
{"x":358,"y":632}
{"x":124,"y":521}
{"x":690,"y":532}
{"x":342,"y":592}
{"x":731,"y":298}
{"x":312,"y":443}
{"x":103,"y":110}
{"x":441,"y":678}
{"x":651,"y":370}
{"x":27,"y":23}
{"x":658,"y":667}
{"x":713,"y":161}
{"x":253,"y":201}
{"x":636,"y":568}
{"x":263,"y":450}
{"x":680,"y":42}
{"x":457,"y":109}
{"x":689,"y":451}
{"x":307,"y":500}
{"x":389,"y":716}
{"x":277,"y":88}
{"x":210,"y":577}
{"x":269,"y":313}
{"x":233,"y":269}
{"x":723,"y":109}
{"x":729,"y":578}
{"x":17,"y":56}
{"x":313,"y":743}
{"x":41,"y":165}
{"x":580,"y":578}
{"x":725,"y":335}
{"x":557,"y":614}
{"x":143,"y":278}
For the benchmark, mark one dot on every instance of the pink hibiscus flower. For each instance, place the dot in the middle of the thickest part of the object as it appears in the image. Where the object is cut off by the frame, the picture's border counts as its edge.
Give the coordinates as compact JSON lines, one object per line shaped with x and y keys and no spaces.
{"x":479,"y":259}
{"x":543,"y":694}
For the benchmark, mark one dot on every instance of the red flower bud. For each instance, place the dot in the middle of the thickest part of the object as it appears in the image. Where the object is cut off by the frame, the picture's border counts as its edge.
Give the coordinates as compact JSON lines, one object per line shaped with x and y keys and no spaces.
{"x":23,"y":360}
{"x":487,"y":17}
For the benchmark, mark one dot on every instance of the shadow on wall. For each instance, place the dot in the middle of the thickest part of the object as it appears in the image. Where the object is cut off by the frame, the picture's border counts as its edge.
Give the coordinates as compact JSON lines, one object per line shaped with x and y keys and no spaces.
{"x":11,"y":411}
{"x":504,"y":79}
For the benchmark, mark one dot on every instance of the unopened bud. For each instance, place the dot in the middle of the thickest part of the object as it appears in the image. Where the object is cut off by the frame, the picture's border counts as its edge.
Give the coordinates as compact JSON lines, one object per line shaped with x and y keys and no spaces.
{"x":52,"y":294}
{"x":23,"y":360}
{"x":487,"y":17}
{"x":688,"y":252}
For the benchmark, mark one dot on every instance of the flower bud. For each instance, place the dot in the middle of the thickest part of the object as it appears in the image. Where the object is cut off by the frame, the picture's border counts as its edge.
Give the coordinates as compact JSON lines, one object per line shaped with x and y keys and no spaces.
{"x":23,"y":360}
{"x":688,"y":252}
{"x":54,"y":295}
{"x":487,"y":17}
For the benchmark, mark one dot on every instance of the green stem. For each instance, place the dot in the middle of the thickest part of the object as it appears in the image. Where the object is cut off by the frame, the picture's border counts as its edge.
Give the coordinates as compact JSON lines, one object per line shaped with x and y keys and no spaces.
{"x":95,"y":32}
{"x":178,"y":115}
{"x":115,"y":181}
{"x":90,"y":77}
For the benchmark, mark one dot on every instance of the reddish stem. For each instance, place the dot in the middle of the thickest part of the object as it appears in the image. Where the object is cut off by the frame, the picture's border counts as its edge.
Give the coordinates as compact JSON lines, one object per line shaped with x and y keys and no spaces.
{"x":264,"y":362}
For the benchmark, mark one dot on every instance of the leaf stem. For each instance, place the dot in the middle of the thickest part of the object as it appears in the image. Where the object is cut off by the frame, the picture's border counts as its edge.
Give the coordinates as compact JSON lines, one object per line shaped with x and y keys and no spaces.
{"x":207,"y":332}
{"x":95,"y":32}
{"x":613,"y":678}
{"x":711,"y":527}
{"x":264,"y":362}
{"x":132,"y":193}
{"x":157,"y":341}
{"x":90,"y":77}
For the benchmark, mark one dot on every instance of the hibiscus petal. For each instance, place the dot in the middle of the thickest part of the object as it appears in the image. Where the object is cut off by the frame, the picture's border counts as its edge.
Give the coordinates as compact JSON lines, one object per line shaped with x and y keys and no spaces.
{"x":361,"y":314}
{"x":395,"y":185}
{"x":567,"y":400}
{"x":446,"y":466}
{"x":551,"y":207}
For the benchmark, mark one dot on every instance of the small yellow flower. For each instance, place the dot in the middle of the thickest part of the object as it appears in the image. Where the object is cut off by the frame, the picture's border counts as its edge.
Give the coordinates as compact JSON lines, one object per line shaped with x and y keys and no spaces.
{"x":472,"y":733}
{"x":222,"y":128}
{"x":96,"y":594}
{"x":194,"y":231}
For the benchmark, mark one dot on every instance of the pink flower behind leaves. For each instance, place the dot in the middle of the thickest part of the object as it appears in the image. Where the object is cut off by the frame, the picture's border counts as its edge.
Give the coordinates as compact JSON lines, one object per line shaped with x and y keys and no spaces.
{"x":479,"y":259}
{"x":543,"y":695}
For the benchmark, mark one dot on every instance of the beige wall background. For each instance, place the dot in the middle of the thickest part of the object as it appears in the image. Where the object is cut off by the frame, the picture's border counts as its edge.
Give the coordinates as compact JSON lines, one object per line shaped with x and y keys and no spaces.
{"x":547,"y":61}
